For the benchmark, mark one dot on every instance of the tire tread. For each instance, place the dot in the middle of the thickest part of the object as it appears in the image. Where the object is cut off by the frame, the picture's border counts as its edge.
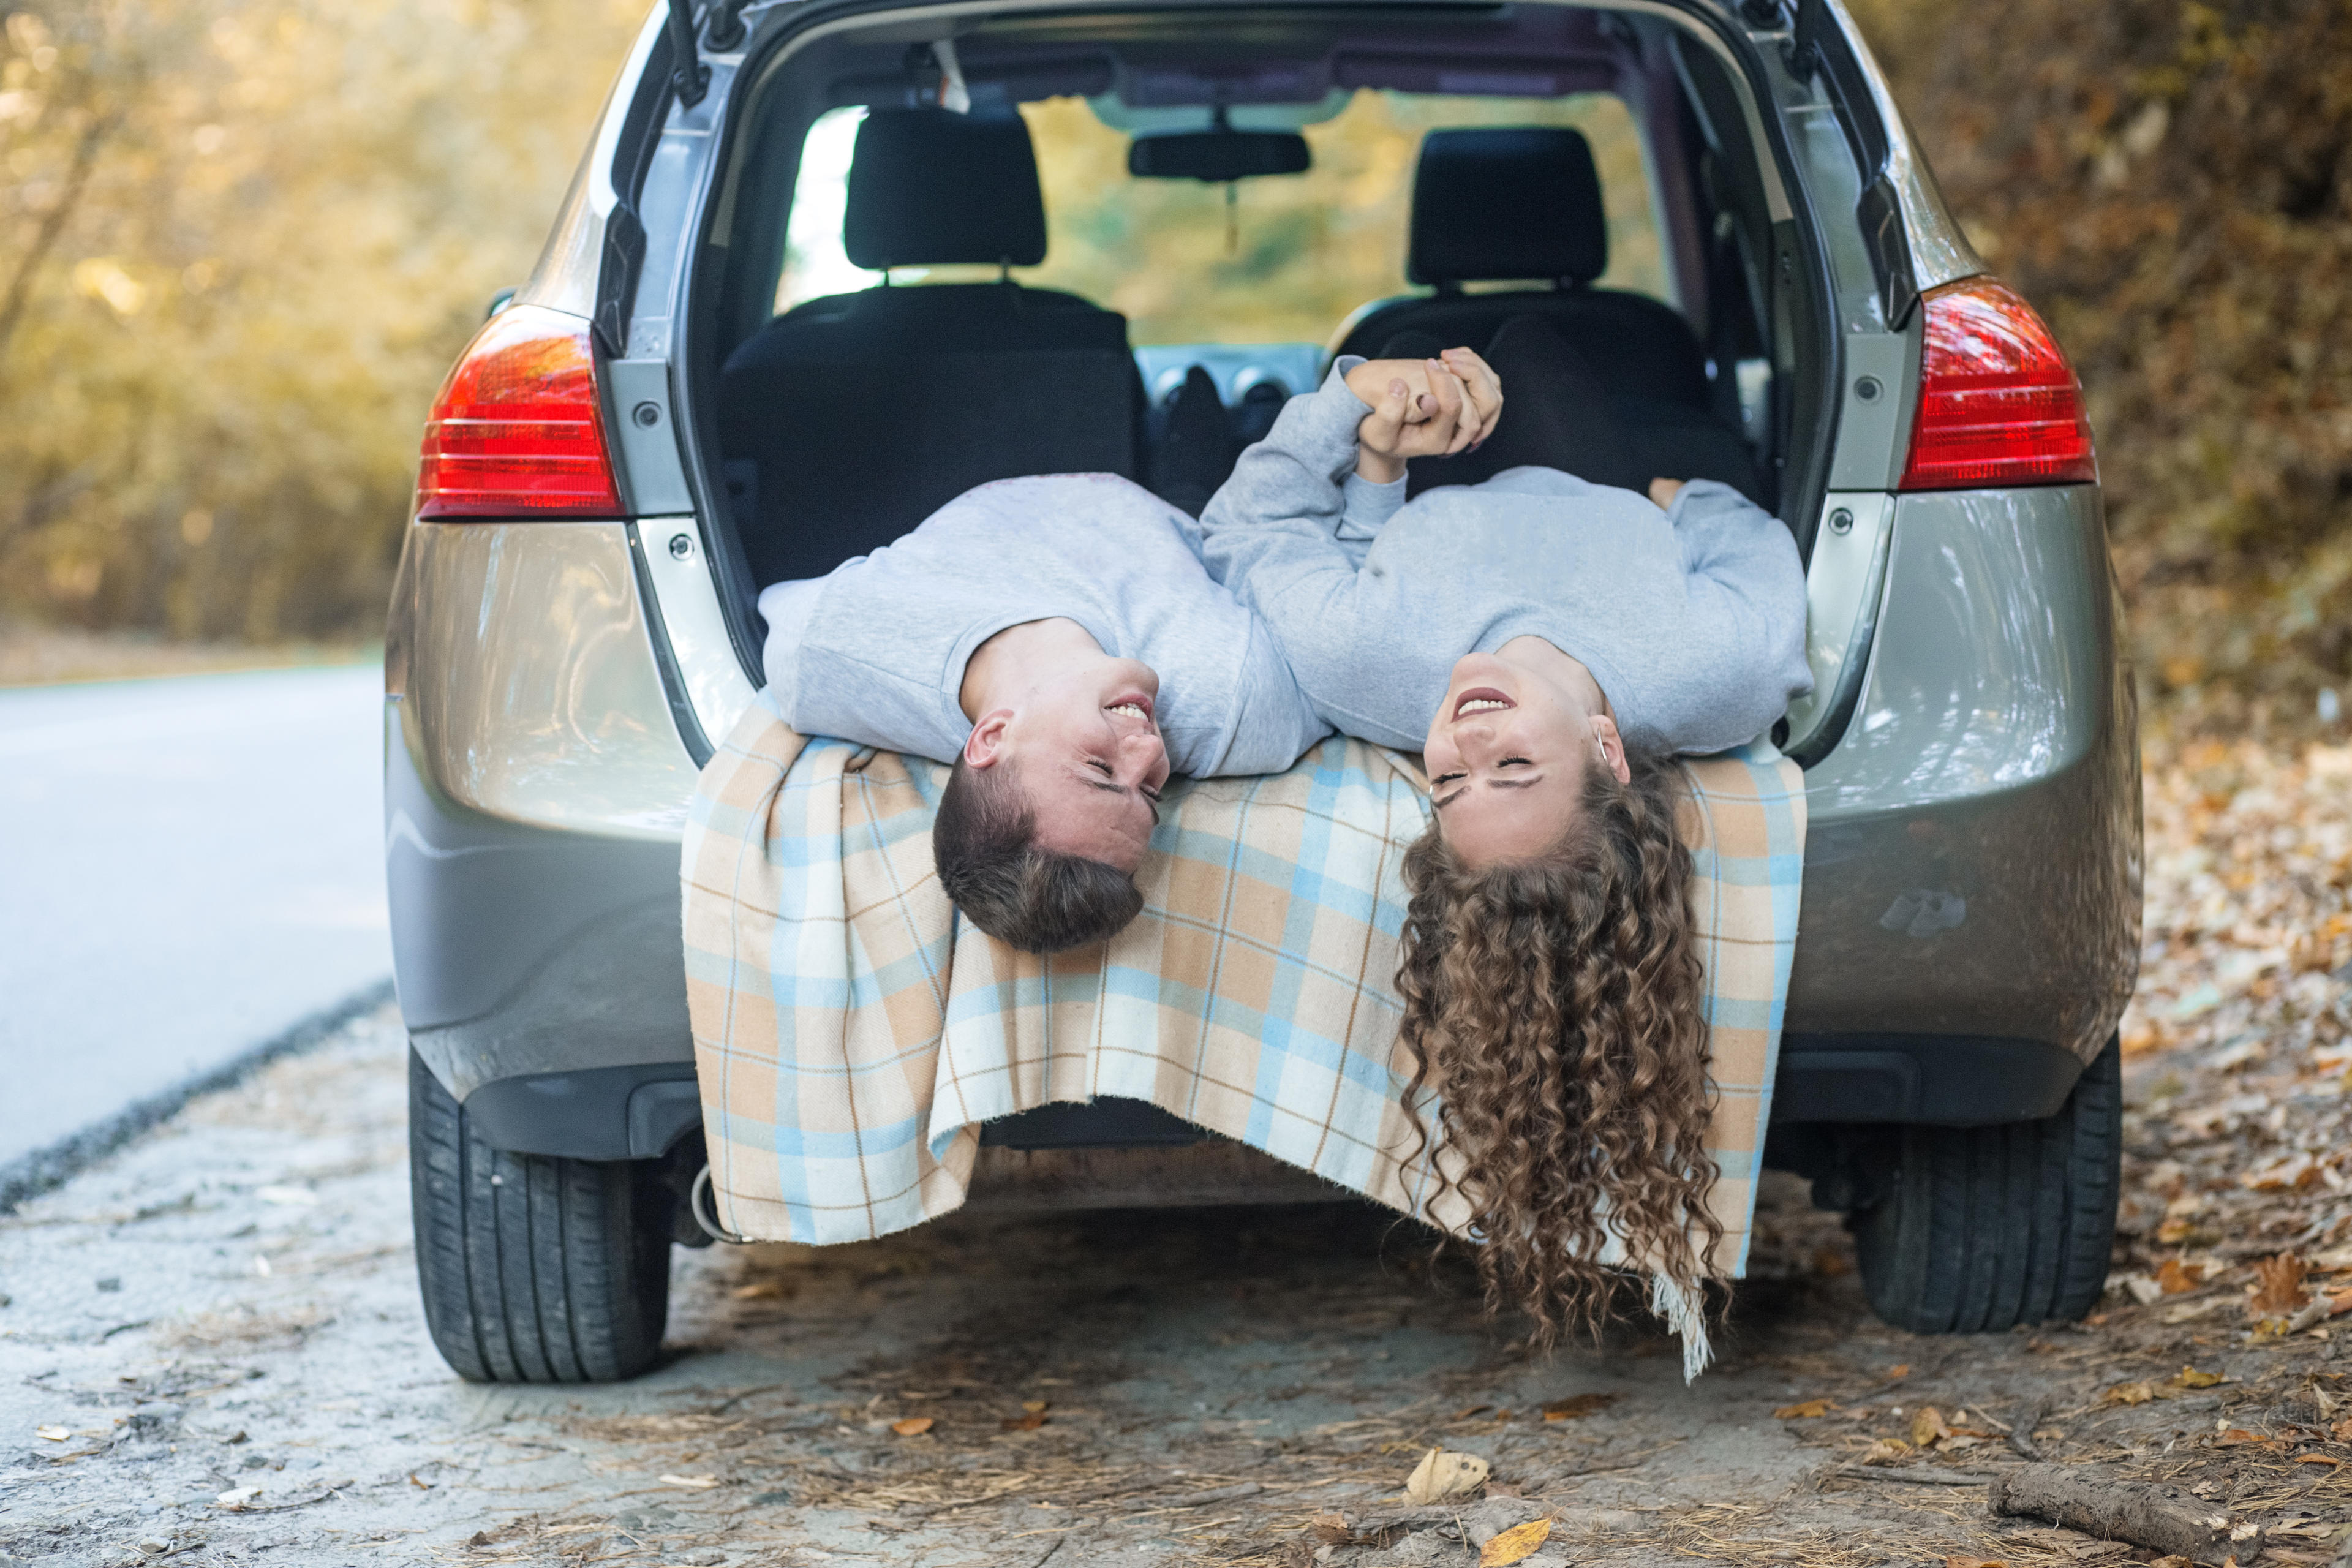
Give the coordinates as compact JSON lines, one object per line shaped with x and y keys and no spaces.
{"x":533,"y":1269}
{"x":1984,"y":1228}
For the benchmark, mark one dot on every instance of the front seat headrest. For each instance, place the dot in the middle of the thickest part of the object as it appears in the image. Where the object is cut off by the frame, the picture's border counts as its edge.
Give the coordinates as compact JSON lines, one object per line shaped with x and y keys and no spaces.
{"x":931,"y":188}
{"x":1506,"y":203}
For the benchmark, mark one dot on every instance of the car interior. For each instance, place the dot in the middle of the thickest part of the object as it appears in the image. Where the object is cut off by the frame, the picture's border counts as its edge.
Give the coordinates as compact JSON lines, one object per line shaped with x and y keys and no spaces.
{"x":869,"y":344}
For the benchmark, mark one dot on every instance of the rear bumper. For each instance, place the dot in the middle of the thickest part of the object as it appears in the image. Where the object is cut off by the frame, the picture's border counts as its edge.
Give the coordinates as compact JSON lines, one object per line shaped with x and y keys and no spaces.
{"x":1972,"y":868}
{"x":1968,"y":938}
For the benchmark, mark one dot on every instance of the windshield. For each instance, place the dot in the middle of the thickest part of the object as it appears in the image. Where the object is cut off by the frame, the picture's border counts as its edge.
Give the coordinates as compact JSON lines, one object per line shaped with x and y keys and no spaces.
{"x":1281,"y":259}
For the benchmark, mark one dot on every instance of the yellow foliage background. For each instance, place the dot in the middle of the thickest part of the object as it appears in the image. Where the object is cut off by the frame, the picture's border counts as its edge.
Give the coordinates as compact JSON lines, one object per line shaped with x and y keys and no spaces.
{"x":241,"y":240}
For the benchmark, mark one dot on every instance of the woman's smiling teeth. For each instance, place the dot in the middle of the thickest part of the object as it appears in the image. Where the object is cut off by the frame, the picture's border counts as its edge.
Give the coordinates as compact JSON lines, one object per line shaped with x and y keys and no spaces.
{"x":1130,"y":710}
{"x":1479,"y":705}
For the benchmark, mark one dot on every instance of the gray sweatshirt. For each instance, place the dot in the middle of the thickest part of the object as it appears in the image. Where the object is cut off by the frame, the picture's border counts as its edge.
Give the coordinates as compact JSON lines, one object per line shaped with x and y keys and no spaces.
{"x":875,"y":651}
{"x":1692,"y":620}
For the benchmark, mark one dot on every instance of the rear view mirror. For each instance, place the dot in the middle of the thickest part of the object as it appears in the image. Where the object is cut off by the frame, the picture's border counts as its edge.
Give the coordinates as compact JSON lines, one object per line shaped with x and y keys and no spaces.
{"x":1217,"y":156}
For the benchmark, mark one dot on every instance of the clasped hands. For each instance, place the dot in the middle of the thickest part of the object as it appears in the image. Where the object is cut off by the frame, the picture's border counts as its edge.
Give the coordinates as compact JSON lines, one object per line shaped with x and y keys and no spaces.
{"x":1421,"y":408}
{"x":1434,"y":408}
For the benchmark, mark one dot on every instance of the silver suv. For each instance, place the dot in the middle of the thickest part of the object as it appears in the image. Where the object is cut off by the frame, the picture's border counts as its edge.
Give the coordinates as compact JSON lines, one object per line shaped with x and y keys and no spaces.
{"x":830,"y":262}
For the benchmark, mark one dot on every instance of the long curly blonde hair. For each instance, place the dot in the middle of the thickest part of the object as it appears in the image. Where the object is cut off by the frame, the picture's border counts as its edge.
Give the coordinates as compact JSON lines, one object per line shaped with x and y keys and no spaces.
{"x":1554,"y":1006}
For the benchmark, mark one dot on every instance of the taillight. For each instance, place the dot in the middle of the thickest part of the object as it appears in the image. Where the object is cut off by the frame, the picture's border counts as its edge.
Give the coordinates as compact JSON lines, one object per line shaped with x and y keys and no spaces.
{"x":1999,"y":404}
{"x":515,"y":430}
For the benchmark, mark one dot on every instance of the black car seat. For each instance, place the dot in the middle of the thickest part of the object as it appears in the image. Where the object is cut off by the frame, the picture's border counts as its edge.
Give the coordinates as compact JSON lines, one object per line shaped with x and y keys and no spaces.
{"x":849,"y":419}
{"x":1512,"y":204}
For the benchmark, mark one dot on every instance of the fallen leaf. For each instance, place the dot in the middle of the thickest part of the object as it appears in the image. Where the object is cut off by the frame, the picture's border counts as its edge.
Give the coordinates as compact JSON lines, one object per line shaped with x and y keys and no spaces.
{"x":2129,"y":1393}
{"x":237,"y":1497}
{"x":420,"y":1485}
{"x":2290,"y":1175}
{"x":1519,"y":1540}
{"x":2279,"y":1292}
{"x":2143,"y":1288}
{"x":1886,"y":1451}
{"x":1577,"y":1407}
{"x":758,"y":1290}
{"x":1811,"y":1409}
{"x":1830,"y":1263}
{"x":1975,"y":1563}
{"x":914,"y":1425}
{"x":1332,"y":1530}
{"x":1034,"y":1407}
{"x":2239,"y":1435}
{"x":2191,"y":1378}
{"x":1029,"y":1423}
{"x":2178,"y":1279}
{"x":53,"y":1434}
{"x":1900,"y":1370}
{"x":1441,"y":1474}
{"x":702,"y":1483}
{"x":1927,"y":1427}
{"x":2316,"y":1459}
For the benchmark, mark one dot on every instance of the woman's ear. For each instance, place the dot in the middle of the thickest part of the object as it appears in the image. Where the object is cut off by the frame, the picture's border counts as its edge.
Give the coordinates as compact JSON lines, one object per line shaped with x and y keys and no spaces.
{"x":985,"y":746}
{"x":1612,"y":747}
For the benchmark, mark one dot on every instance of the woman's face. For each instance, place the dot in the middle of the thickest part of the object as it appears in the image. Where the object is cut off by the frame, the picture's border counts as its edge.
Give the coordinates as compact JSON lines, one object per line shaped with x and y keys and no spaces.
{"x":1507,"y":750}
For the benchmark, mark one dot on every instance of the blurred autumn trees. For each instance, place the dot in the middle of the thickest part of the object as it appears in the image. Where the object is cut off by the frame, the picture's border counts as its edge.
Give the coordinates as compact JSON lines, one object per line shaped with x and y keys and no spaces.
{"x":2169,"y":181}
{"x":240,"y":241}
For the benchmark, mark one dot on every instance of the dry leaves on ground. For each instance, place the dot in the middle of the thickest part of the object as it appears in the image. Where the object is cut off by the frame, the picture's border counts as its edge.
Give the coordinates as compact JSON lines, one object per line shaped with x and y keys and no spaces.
{"x":1442,"y":1474}
{"x":1510,"y":1545}
{"x":1578,"y":1405}
{"x":2241,"y":1132}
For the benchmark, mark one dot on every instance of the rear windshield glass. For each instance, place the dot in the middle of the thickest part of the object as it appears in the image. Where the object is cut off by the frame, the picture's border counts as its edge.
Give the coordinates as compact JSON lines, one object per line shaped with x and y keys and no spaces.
{"x":1285,"y":261}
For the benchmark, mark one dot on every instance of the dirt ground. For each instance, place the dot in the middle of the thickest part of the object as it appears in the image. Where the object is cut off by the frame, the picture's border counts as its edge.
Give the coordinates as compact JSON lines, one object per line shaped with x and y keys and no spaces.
{"x":211,"y":1346}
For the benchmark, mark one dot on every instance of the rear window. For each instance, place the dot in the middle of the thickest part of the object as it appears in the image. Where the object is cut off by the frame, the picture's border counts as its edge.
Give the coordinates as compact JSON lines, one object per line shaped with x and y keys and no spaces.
{"x":1285,"y":262}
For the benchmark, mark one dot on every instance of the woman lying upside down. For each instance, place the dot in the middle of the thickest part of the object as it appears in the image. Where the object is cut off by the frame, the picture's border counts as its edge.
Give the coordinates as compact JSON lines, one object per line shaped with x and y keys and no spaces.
{"x":1548,"y":645}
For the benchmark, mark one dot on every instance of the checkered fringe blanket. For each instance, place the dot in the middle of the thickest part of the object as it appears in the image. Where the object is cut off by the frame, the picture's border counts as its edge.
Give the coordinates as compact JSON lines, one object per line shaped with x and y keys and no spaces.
{"x":851,"y":1034}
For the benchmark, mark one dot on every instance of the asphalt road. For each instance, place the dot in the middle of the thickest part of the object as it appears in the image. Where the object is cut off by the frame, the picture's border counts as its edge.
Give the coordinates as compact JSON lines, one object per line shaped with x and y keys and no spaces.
{"x":188,"y":867}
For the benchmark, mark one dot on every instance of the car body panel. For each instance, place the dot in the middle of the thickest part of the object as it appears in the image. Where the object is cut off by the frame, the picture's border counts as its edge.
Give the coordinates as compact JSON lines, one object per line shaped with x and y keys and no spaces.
{"x":1972,"y":865}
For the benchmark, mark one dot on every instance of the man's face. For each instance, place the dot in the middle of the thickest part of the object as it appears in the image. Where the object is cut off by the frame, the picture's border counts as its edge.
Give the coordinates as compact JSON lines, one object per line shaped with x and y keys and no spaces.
{"x":1506,"y":754}
{"x":1091,"y":761}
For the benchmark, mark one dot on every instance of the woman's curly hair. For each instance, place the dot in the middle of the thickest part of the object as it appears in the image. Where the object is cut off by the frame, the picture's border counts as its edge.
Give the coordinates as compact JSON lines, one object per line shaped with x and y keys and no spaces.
{"x":1554,"y":1006}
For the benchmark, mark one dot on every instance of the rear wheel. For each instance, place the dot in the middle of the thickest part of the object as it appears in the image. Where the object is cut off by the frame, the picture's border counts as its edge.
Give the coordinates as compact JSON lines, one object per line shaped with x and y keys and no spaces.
{"x":1982,"y":1228}
{"x":535,"y":1269}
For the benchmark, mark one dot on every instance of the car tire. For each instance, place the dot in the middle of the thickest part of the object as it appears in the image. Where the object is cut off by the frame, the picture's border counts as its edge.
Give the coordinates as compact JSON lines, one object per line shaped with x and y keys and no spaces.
{"x":1982,"y":1228}
{"x":535,"y":1269}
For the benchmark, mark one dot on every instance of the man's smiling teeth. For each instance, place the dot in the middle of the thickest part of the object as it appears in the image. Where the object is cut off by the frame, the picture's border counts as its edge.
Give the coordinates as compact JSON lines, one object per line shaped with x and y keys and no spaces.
{"x":1127,"y":708}
{"x":1479,"y":705}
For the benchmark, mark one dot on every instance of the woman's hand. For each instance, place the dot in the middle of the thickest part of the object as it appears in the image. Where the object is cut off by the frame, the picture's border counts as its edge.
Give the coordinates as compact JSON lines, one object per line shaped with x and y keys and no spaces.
{"x":1421,"y":408}
{"x":1663,"y":492}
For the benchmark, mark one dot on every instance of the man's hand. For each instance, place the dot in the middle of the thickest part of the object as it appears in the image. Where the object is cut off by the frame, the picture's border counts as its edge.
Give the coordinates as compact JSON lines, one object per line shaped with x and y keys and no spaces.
{"x":1663,"y":492}
{"x":1421,"y":408}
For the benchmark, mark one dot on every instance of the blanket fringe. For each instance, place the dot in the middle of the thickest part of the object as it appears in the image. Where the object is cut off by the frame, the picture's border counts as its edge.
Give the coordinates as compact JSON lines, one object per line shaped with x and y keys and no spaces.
{"x":1687,"y":1320}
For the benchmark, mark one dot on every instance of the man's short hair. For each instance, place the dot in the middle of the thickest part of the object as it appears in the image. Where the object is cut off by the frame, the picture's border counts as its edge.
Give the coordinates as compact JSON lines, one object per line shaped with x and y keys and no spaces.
{"x":1040,"y":901}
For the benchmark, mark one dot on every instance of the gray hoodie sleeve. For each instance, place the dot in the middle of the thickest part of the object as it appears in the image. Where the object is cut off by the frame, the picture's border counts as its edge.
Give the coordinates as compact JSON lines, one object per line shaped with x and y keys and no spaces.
{"x":1279,"y":532}
{"x":1746,"y":587}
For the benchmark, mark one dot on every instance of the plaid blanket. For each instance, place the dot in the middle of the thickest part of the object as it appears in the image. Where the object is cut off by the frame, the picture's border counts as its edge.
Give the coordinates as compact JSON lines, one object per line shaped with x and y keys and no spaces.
{"x":851,"y":1033}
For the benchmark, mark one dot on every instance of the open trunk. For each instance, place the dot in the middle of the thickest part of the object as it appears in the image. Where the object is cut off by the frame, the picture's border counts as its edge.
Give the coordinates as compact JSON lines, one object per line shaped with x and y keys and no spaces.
{"x":882,"y":315}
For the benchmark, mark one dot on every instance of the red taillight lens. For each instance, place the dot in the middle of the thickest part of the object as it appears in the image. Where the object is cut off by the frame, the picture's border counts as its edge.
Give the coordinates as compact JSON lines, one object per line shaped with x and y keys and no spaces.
{"x":1999,"y":404}
{"x":515,"y":431}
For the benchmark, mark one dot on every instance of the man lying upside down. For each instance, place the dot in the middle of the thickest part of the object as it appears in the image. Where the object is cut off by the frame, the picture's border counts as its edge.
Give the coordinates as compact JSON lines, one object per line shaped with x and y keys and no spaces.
{"x":1057,"y":639}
